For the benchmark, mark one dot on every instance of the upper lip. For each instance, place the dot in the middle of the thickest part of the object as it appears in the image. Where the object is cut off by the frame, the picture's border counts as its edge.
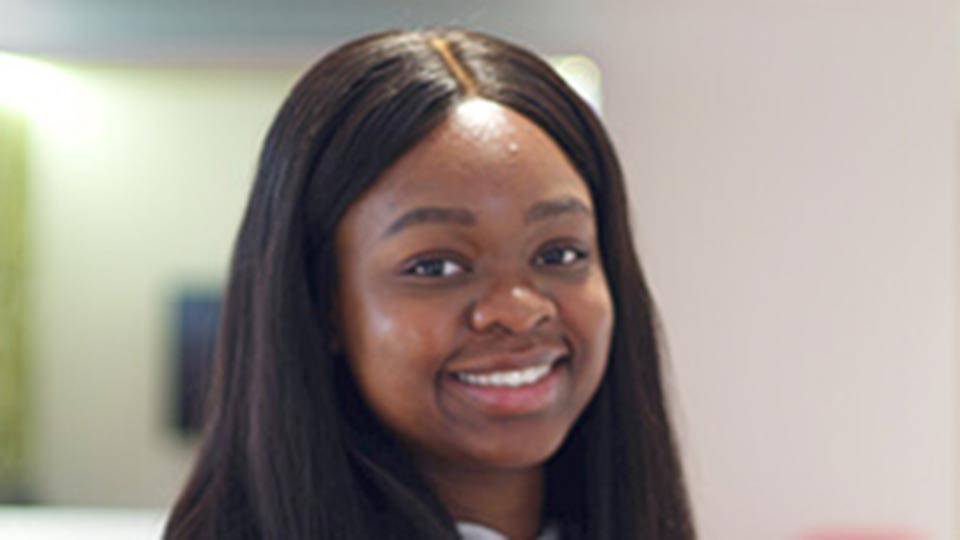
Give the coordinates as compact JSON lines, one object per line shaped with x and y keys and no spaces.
{"x":510,"y":360}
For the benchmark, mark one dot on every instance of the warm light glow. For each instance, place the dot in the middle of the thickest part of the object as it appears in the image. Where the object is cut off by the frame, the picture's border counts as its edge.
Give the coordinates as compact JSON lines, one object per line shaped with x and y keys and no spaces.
{"x":44,"y":92}
{"x":26,"y":84}
{"x":583,"y":75}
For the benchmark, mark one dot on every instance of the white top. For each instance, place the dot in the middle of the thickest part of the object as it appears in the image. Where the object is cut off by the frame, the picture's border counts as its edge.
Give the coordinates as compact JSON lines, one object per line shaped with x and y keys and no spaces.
{"x":475,"y":531}
{"x":65,"y":523}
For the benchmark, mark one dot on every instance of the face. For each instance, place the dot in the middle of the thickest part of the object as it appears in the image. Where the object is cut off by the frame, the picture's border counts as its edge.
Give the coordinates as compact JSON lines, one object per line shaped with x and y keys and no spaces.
{"x":474,"y":311}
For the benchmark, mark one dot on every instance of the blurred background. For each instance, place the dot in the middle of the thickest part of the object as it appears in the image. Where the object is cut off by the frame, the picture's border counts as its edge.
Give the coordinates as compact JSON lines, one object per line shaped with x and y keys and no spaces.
{"x":792,"y":168}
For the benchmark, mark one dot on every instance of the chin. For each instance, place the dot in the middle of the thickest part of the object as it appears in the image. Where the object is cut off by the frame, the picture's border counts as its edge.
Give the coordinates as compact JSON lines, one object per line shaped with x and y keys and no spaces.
{"x":517,"y":452}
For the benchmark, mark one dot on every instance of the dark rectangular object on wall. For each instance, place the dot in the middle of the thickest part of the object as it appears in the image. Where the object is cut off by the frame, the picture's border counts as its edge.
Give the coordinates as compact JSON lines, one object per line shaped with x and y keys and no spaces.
{"x":197,"y":316}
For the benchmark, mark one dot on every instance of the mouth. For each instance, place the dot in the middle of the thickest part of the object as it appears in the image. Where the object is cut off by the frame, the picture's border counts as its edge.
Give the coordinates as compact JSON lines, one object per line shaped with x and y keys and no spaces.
{"x":511,"y":392}
{"x":508,"y":378}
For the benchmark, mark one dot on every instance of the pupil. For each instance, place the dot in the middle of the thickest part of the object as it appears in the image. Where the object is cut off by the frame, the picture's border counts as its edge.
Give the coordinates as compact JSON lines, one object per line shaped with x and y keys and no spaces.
{"x":555,"y":256}
{"x":432,"y":268}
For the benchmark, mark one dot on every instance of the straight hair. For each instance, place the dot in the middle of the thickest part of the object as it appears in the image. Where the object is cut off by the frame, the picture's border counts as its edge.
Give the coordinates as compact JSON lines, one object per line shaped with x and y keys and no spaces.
{"x":290,"y":451}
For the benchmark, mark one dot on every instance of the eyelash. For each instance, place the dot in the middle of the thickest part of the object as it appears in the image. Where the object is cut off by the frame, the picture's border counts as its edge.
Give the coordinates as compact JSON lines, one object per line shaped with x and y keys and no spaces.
{"x":447,"y":263}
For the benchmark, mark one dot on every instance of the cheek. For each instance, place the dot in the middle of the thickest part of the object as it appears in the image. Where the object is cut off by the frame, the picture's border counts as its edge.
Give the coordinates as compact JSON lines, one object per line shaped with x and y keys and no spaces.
{"x":590,"y":316}
{"x":396,"y":351}
{"x":395,"y":328}
{"x":397,"y":344}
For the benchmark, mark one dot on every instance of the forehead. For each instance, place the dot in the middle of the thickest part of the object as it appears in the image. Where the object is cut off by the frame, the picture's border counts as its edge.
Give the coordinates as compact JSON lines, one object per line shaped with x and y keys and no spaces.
{"x":484,"y":156}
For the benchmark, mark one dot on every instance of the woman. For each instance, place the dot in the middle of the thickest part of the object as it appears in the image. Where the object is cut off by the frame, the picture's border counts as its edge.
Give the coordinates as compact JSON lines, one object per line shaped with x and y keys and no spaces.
{"x":436,"y":326}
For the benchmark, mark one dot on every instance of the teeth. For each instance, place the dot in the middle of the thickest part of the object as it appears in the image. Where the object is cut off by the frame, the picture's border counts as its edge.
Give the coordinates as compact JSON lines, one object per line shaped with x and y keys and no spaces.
{"x":510,"y":379}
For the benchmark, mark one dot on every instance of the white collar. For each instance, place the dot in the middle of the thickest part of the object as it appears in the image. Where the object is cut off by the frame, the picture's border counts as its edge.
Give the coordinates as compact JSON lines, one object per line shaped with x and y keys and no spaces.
{"x":475,"y":531}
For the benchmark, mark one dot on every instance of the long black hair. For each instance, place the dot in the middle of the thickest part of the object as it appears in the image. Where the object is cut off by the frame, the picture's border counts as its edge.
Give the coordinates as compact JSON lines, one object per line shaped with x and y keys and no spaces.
{"x":290,"y":452}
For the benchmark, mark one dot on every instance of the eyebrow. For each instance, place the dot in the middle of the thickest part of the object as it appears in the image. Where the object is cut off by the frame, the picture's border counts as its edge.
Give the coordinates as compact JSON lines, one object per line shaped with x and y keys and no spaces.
{"x":556,"y":207}
{"x":431,"y":214}
{"x":461,"y":216}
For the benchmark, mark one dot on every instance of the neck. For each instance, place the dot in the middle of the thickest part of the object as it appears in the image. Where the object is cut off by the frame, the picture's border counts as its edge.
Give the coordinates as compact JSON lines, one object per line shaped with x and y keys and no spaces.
{"x":508,"y":501}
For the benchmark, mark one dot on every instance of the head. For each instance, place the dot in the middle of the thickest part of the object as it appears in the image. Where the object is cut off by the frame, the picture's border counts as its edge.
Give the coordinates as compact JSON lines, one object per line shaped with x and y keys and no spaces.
{"x":474,"y":254}
{"x":429,"y":207}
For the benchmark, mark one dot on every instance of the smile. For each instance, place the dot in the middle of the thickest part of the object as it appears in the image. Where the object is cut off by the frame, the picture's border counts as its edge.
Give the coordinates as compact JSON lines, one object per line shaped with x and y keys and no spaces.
{"x":512,"y":392}
{"x":510,"y":379}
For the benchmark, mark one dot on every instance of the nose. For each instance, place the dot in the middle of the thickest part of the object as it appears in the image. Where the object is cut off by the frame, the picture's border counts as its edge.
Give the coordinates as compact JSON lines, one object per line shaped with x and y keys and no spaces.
{"x":516,"y":308}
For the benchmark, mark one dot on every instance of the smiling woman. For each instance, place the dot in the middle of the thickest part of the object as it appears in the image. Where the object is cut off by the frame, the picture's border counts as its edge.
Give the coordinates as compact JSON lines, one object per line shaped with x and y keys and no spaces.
{"x":498,"y":284}
{"x":436,"y":326}
{"x":479,"y":335}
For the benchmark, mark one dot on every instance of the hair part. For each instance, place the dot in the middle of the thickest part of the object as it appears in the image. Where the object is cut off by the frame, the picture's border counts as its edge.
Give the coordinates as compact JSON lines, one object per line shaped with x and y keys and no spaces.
{"x":467,"y":83}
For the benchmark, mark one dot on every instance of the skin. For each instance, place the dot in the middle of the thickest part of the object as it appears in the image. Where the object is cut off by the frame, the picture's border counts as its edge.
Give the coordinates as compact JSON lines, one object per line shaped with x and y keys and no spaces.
{"x":424,"y":298}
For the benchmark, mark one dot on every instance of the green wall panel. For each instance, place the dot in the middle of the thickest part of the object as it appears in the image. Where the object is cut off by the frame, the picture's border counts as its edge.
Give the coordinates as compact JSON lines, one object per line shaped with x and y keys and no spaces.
{"x":13,"y":246}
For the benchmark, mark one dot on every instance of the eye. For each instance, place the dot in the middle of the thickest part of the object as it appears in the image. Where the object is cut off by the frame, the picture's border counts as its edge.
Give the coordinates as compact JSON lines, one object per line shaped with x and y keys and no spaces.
{"x":434,"y":267}
{"x":561,"y":256}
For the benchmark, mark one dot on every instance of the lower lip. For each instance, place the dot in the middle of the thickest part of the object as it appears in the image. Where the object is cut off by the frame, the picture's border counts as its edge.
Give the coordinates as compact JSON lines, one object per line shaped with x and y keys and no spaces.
{"x":508,"y":401}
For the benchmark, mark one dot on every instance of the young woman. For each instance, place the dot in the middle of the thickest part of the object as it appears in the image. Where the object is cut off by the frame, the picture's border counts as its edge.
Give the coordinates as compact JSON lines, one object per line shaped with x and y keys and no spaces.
{"x":436,"y":326}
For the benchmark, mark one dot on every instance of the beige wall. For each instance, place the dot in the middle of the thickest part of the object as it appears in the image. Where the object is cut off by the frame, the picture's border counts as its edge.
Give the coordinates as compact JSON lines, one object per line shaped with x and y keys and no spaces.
{"x":794,"y":187}
{"x":792,"y":176}
{"x":138,"y":192}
